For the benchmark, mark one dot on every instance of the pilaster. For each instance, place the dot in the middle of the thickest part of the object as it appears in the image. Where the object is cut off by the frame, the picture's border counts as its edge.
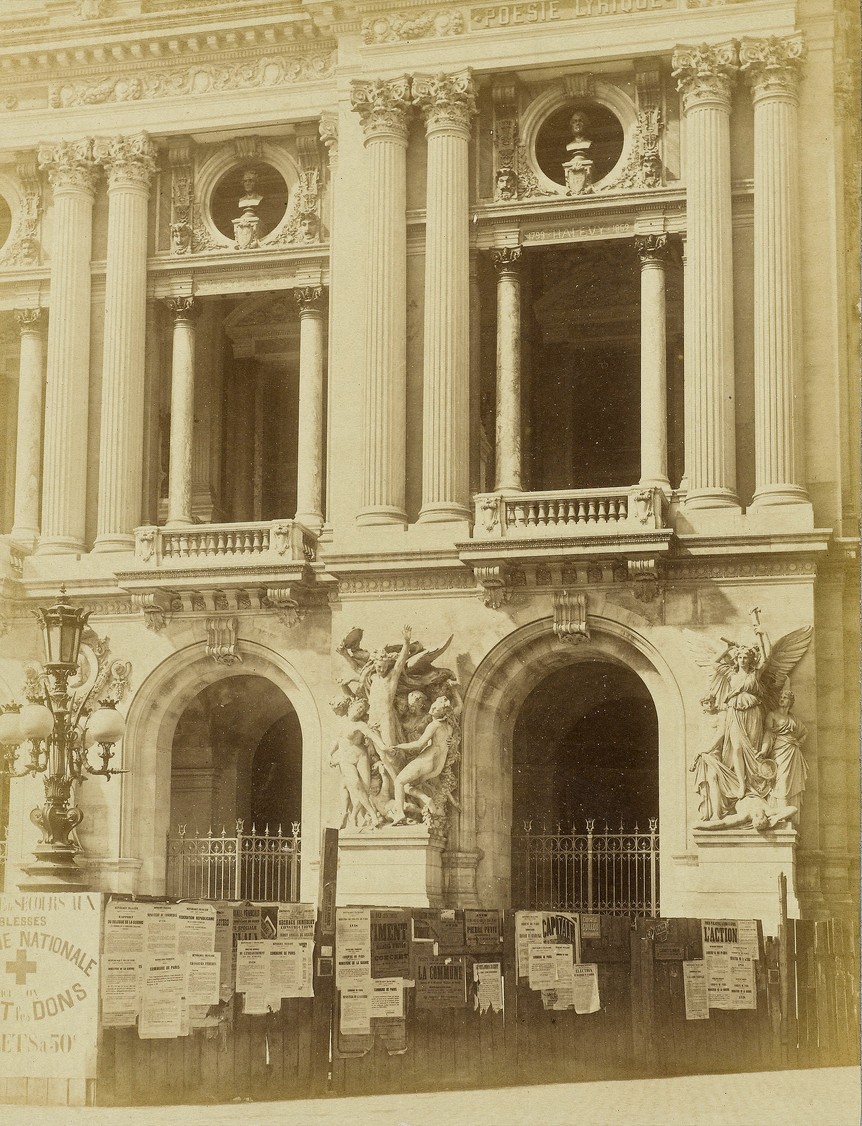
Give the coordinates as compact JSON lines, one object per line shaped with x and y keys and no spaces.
{"x":129,"y":164}
{"x":72,"y":173}
{"x":383,"y":107}
{"x":28,"y":449}
{"x":448,"y":103}
{"x":705,"y":81}
{"x":772,"y":67}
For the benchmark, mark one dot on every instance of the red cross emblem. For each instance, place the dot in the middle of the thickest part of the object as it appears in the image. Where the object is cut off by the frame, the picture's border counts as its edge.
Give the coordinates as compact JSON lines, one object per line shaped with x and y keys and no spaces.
{"x":21,"y":967}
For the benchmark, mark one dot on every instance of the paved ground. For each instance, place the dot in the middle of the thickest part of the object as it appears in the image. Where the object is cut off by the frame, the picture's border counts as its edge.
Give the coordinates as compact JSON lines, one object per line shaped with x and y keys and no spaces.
{"x":827,"y":1097}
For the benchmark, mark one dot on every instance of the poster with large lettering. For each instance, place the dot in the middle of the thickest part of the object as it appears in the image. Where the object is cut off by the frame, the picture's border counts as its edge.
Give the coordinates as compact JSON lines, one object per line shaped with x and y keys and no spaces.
{"x":49,"y":985}
{"x":730,"y":951}
{"x":441,"y":982}
{"x":390,"y":942}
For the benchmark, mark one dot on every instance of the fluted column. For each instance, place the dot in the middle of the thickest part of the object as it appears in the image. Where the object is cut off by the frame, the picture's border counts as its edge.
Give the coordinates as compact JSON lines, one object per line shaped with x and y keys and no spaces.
{"x":129,"y":164}
{"x":72,"y":173}
{"x":705,"y":80}
{"x":28,"y":449}
{"x":184,"y":311}
{"x":772,"y":67}
{"x":383,"y":108}
{"x":309,"y":474}
{"x":507,"y":262}
{"x":652,"y":251}
{"x":448,"y":102}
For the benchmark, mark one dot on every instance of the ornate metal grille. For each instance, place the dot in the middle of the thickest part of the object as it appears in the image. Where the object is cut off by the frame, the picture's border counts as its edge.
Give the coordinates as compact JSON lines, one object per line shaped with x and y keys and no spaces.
{"x":609,"y":873}
{"x":260,"y":866}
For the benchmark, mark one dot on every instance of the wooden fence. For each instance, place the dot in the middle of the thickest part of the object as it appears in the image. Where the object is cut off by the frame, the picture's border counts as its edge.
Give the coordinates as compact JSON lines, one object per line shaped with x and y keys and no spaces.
{"x":807,"y":1015}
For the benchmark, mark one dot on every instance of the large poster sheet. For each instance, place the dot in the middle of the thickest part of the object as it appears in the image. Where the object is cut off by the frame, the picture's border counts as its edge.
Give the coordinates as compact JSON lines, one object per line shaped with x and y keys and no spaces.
{"x":489,"y":986}
{"x":390,"y":942}
{"x":121,"y":990}
{"x":441,"y":982}
{"x":694,"y":984}
{"x":729,"y":955}
{"x":268,"y":971}
{"x":482,"y":929}
{"x":164,"y":1010}
{"x":544,"y":928}
{"x":296,"y":920}
{"x":125,"y":928}
{"x":49,"y":984}
{"x":445,"y":927}
{"x":196,"y":925}
{"x":352,"y":946}
{"x":162,"y":930}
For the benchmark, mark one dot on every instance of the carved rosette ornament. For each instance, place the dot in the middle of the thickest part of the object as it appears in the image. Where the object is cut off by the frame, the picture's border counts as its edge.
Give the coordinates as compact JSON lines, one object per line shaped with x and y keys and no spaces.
{"x":447,"y":101}
{"x":70,"y":165}
{"x":705,"y":75}
{"x":128,"y":161}
{"x":772,"y":66}
{"x":383,"y":107}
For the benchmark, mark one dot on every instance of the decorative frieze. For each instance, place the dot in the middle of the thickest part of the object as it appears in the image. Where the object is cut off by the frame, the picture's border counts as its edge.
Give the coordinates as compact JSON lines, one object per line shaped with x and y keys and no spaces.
{"x":261,"y":72}
{"x":401,"y":27}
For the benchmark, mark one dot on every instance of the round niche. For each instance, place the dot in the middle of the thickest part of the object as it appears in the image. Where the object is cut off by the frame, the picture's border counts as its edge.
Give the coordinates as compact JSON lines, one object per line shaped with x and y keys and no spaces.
{"x":253,"y":187}
{"x":5,"y":221}
{"x":598,"y":125}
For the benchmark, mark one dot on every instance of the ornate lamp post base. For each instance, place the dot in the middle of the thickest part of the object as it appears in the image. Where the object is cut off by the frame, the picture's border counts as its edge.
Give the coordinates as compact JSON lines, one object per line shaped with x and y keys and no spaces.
{"x":54,"y":870}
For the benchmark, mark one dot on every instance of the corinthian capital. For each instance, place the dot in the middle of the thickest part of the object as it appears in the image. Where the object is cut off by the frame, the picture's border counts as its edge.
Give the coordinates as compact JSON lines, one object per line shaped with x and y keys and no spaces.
{"x":127,"y":160}
{"x":705,"y":74}
{"x":448,"y":101}
{"x":382,"y":106}
{"x":773,"y":65}
{"x":70,"y":165}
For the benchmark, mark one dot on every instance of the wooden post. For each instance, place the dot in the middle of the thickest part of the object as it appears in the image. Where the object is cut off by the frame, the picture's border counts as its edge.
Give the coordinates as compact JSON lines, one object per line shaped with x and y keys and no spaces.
{"x":786,"y":968}
{"x":324,"y":963}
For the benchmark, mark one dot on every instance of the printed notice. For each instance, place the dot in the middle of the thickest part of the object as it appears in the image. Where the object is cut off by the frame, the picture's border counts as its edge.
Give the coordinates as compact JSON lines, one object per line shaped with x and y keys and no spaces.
{"x":125,"y":928}
{"x":591,"y":926}
{"x":296,"y":920}
{"x":560,"y":926}
{"x":482,"y":929}
{"x":743,"y":994}
{"x":290,"y":967}
{"x":202,"y":984}
{"x":162,"y":930}
{"x":747,"y":930}
{"x":441,"y":983}
{"x":489,"y":986}
{"x":355,"y":1015}
{"x":121,"y":990}
{"x":694,"y":983}
{"x":390,"y":943}
{"x":528,"y":931}
{"x":196,"y":923}
{"x":224,"y":945}
{"x":542,"y":967}
{"x":445,"y":927}
{"x":163,"y":1001}
{"x":585,"y":988}
{"x":387,"y":998}
{"x":252,"y":966}
{"x":352,"y":945}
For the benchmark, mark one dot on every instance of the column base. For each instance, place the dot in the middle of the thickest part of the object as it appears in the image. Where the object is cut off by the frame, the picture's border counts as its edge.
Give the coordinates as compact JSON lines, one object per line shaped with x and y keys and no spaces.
{"x":443,"y":513}
{"x":372,"y":517}
{"x":390,"y":867}
{"x":779,"y":494}
{"x":311,"y":520}
{"x":59,"y":545}
{"x":180,"y":522}
{"x":711,"y":498}
{"x":114,"y":541}
{"x":26,"y":539}
{"x":657,"y":482}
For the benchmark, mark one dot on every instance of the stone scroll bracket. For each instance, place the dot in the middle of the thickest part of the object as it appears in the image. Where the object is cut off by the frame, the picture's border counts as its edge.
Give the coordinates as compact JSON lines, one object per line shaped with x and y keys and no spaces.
{"x":498,"y":583}
{"x":570,"y":616}
{"x":223,"y":640}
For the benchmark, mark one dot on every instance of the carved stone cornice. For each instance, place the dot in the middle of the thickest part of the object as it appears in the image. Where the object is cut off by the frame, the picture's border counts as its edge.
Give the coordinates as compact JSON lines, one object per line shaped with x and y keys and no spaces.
{"x":705,"y":75}
{"x":383,"y":107}
{"x":70,"y":165}
{"x":183,"y":308}
{"x":507,"y":259}
{"x":128,"y":161}
{"x":310,"y":298}
{"x":404,"y":27}
{"x":447,"y":101}
{"x":773,"y":66}
{"x":30,"y":320}
{"x":652,"y":248}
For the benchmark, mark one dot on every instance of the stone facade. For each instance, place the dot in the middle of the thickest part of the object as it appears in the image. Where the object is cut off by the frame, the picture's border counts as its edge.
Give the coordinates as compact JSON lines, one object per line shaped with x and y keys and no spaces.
{"x":567,"y":372}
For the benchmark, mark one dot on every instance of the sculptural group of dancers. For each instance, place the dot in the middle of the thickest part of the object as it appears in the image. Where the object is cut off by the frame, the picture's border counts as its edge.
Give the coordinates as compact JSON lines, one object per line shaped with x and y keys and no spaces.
{"x":396,"y":751}
{"x":753,"y":771}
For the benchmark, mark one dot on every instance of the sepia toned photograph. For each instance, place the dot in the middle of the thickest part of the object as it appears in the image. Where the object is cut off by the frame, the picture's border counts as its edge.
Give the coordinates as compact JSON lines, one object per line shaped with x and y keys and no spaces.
{"x":429,"y":562}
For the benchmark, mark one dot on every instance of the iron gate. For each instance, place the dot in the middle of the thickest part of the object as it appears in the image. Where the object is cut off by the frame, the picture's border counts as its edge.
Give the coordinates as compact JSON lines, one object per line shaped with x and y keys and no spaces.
{"x":258,"y":866}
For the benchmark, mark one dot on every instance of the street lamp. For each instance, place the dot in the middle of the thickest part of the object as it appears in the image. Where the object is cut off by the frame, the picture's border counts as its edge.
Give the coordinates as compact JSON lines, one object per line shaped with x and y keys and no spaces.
{"x":60,"y":728}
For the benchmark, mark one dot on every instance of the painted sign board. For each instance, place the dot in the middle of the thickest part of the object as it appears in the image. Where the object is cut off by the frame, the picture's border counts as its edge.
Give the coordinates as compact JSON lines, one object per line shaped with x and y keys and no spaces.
{"x":49,"y":985}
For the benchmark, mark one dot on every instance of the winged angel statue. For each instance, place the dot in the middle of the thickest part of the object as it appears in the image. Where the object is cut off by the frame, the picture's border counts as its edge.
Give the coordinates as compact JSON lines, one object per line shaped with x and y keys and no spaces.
{"x":752,"y":772}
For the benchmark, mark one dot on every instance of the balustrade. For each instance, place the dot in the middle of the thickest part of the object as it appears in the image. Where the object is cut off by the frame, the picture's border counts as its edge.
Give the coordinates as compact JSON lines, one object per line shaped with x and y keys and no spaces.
{"x":567,"y":512}
{"x":282,"y":541}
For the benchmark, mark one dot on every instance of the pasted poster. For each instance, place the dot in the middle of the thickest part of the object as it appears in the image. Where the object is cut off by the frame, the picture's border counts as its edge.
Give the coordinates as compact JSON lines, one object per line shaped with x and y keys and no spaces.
{"x":489,"y":986}
{"x":352,"y":945}
{"x":441,"y":983}
{"x":49,"y":984}
{"x":549,"y":927}
{"x":125,"y":927}
{"x":196,"y":924}
{"x":482,"y":929}
{"x":694,"y":984}
{"x":296,"y":920}
{"x":729,"y":954}
{"x":121,"y":990}
{"x":162,"y":930}
{"x":528,"y":932}
{"x":355,"y":1009}
{"x":164,"y":1012}
{"x":390,"y":942}
{"x":387,"y":998}
{"x":445,"y":927}
{"x":585,"y":988}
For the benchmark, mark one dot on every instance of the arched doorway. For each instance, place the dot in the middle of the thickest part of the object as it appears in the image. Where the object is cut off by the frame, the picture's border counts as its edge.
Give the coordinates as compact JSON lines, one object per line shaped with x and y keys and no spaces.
{"x":585,"y":746}
{"x":237,"y":755}
{"x":585,"y":792}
